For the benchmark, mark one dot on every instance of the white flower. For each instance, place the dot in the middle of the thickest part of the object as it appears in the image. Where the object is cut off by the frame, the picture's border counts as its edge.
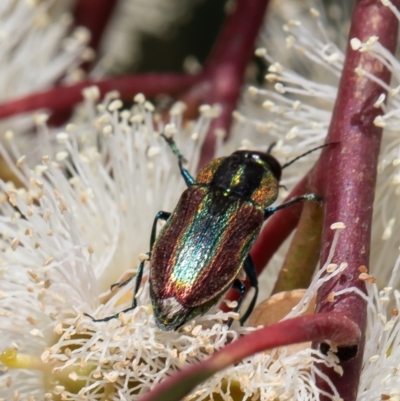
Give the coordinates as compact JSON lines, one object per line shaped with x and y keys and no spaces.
{"x":79,"y":224}
{"x":37,"y":49}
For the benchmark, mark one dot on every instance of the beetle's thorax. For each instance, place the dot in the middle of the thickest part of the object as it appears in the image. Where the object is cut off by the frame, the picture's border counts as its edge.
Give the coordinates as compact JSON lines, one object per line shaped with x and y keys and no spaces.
{"x":244,"y":175}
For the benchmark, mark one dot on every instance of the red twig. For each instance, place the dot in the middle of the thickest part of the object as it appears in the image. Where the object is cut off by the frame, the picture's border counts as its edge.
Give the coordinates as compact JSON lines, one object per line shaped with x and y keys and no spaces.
{"x":94,"y":15}
{"x":62,"y":98}
{"x":335,"y":328}
{"x":227,"y":65}
{"x":347,"y":175}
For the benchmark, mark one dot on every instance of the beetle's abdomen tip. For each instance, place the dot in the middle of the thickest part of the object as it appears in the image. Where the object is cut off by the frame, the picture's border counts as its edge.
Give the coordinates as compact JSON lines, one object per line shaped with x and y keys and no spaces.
{"x":170,"y":307}
{"x":170,"y":314}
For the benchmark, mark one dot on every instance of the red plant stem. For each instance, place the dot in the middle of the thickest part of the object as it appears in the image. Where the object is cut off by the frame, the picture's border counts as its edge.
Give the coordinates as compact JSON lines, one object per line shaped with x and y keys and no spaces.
{"x":62,"y":98}
{"x":335,"y":328}
{"x":94,"y":15}
{"x":227,"y":64}
{"x":347,"y":176}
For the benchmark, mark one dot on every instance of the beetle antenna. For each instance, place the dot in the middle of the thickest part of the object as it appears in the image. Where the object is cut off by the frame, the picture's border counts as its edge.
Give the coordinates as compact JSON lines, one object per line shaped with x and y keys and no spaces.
{"x":171,"y":143}
{"x":270,"y":147}
{"x":307,"y":153}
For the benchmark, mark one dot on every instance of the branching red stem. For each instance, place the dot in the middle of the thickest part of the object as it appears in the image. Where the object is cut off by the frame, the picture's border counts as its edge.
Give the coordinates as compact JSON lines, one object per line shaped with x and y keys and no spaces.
{"x":346,"y":175}
{"x":335,"y":328}
{"x":227,"y":65}
{"x":62,"y":98}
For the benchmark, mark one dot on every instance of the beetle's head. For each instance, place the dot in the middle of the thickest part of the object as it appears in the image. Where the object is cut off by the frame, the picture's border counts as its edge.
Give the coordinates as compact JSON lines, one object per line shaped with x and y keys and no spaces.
{"x":261,"y":157}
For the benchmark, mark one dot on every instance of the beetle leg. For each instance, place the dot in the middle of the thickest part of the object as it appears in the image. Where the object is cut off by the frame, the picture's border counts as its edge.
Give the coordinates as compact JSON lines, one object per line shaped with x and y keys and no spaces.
{"x":134,"y":302}
{"x":239,"y":286}
{"x":189,"y":180}
{"x":271,"y":210}
{"x":159,"y":216}
{"x":252,"y":276}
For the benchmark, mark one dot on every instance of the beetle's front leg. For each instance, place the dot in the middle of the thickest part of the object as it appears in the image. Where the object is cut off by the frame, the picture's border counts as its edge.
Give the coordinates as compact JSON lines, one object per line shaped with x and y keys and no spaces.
{"x":251,"y":274}
{"x":134,"y":302}
{"x":269,"y":211}
{"x":159,"y":216}
{"x":189,"y":180}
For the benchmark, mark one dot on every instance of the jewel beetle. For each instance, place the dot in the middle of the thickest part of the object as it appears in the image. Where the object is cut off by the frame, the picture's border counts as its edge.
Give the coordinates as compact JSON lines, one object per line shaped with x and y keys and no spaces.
{"x":206,"y":240}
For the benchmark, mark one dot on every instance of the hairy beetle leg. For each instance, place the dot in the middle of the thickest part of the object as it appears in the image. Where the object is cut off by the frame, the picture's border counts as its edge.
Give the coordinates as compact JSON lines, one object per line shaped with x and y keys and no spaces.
{"x":269,"y":211}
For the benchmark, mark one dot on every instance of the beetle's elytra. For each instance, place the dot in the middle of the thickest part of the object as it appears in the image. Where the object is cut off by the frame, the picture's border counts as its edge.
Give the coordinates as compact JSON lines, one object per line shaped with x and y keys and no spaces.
{"x":206,"y":240}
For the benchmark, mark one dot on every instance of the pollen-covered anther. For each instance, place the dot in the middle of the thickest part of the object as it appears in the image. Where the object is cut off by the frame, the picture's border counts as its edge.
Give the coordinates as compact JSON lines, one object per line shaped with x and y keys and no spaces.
{"x":143,"y":256}
{"x":260,"y":52}
{"x":233,"y":315}
{"x":149,"y":106}
{"x":177,"y":109}
{"x":9,"y":135}
{"x":379,"y":121}
{"x":40,"y":118}
{"x":314,"y":12}
{"x":363,"y":269}
{"x":387,"y":233}
{"x":292,"y":133}
{"x":170,"y":130}
{"x":331,"y":297}
{"x":276,"y":68}
{"x":14,"y":244}
{"x":215,"y":112}
{"x":36,"y":333}
{"x":290,"y":41}
{"x":359,"y":71}
{"x":21,"y":161}
{"x":231,"y":304}
{"x":153,"y":151}
{"x":239,"y":117}
{"x":91,"y":93}
{"x":338,"y":226}
{"x":280,"y":88}
{"x":252,"y":90}
{"x":381,"y":99}
{"x":331,"y":267}
{"x":268,"y":105}
{"x":136,"y":119}
{"x":355,"y":44}
{"x":139,"y":98}
{"x":107,"y":130}
{"x":367,"y":277}
{"x":271,"y":77}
